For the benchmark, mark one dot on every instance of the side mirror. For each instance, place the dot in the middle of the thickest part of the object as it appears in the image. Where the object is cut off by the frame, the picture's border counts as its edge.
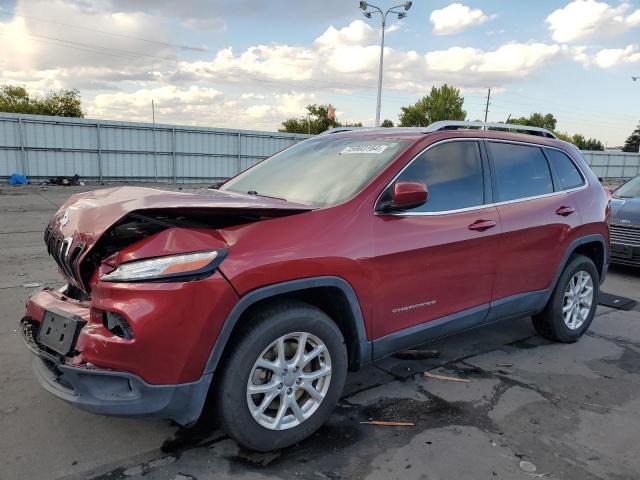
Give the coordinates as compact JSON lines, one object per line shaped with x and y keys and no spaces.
{"x":406,"y":195}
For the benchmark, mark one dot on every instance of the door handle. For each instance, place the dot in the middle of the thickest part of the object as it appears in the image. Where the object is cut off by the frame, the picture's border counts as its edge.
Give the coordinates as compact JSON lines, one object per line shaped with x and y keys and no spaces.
{"x":482,"y":225}
{"x":565,"y":211}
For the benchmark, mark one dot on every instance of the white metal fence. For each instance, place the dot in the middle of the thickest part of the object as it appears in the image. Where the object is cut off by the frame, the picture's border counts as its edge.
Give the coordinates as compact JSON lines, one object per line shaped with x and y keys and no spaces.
{"x":613,"y":165}
{"x":44,"y":147}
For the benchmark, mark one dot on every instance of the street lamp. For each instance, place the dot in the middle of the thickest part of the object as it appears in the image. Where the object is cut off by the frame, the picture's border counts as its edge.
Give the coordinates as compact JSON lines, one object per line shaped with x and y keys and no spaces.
{"x":365,"y":6}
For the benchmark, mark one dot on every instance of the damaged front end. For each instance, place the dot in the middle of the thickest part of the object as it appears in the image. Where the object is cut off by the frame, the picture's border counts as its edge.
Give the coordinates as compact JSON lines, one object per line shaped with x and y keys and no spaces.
{"x":132,"y":330}
{"x":93,"y":226}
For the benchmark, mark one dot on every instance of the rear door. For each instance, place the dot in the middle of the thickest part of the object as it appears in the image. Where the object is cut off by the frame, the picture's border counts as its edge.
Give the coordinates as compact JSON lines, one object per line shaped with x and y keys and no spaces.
{"x":537,"y":218}
{"x":439,"y":258}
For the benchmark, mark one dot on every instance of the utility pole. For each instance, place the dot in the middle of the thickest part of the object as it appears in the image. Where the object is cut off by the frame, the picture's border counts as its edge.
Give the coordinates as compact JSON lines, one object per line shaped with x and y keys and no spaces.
{"x":486,"y":110}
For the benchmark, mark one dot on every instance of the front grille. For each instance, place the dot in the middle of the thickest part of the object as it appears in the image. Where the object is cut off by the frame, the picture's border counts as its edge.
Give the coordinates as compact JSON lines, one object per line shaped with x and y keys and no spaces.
{"x":65,"y":256}
{"x":625,"y":235}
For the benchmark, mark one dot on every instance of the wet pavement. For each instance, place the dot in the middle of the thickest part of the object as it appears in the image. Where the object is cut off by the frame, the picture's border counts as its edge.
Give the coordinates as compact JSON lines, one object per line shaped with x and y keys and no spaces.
{"x":528,"y":408}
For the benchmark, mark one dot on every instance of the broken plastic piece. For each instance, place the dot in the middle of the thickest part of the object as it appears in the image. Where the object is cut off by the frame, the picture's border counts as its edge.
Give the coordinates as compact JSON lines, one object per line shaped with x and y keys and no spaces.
{"x":383,"y":423}
{"x":444,"y":377}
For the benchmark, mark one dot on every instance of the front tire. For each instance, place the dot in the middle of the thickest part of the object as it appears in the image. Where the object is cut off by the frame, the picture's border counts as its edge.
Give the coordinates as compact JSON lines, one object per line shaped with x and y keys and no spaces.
{"x":573,"y":303}
{"x":283,"y":376}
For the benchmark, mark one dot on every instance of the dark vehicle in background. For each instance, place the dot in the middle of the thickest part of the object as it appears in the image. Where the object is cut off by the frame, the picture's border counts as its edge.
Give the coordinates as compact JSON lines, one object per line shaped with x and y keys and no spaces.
{"x":625,"y":223}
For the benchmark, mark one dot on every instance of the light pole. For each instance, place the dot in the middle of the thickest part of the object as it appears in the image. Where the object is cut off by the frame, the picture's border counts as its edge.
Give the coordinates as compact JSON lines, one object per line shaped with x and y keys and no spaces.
{"x":365,"y":6}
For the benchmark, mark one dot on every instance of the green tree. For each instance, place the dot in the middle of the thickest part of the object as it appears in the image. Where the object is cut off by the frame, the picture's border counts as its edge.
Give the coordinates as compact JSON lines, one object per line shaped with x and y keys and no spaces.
{"x":594,"y":145}
{"x":64,"y":103}
{"x":15,"y":100}
{"x":564,"y":136}
{"x":547,"y":121}
{"x":443,"y":103}
{"x":315,"y":122}
{"x":632,"y":144}
{"x":387,"y":124}
{"x":586,"y":143}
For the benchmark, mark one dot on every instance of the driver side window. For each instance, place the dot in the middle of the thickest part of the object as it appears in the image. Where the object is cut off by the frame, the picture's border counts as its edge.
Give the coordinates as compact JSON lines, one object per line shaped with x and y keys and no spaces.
{"x":452,"y":172}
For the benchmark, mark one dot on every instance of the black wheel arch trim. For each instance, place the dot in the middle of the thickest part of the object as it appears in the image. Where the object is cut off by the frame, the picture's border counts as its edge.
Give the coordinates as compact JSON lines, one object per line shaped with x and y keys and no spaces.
{"x":573,"y":246}
{"x":291,"y":286}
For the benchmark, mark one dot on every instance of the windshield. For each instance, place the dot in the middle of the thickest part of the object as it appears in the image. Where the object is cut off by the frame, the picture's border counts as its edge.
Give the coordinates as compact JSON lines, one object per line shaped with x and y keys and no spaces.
{"x":321,"y":171}
{"x":631,"y":189}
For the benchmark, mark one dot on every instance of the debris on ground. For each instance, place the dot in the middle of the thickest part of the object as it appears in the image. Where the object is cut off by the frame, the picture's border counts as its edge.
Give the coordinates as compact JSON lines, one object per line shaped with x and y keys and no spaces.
{"x":260,"y":459}
{"x":416,"y":354}
{"x":66,"y":181}
{"x":18,"y":179}
{"x":184,"y":476}
{"x":31,"y":285}
{"x":145,"y":467}
{"x":445,"y":377}
{"x":328,"y":475}
{"x":527,"y":467}
{"x":382,"y":423}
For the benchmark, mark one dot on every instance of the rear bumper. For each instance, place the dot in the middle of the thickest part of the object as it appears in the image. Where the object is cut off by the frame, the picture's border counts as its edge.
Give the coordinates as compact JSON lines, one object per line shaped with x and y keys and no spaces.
{"x":111,"y":392}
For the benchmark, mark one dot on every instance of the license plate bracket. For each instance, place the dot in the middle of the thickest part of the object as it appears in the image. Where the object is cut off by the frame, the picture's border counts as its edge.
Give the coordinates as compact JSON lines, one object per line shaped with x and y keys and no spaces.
{"x":59,"y":331}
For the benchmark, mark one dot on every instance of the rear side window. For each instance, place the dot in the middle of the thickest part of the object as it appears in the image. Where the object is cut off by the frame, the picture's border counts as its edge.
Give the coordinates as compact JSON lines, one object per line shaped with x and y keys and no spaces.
{"x":565,"y":168}
{"x":520,"y":171}
{"x":452,"y":172}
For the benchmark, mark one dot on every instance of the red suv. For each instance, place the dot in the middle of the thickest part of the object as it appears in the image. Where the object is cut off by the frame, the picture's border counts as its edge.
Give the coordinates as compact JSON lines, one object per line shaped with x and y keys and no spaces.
{"x":331,"y":254}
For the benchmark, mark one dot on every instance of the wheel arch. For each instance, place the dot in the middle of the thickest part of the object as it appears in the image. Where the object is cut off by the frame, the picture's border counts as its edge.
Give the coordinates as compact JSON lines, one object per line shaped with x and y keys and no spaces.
{"x":332,"y":295}
{"x":593,"y":246}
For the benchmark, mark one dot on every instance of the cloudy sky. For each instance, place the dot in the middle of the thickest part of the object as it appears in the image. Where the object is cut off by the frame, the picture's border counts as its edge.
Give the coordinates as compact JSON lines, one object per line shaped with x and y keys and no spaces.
{"x":252,"y":63}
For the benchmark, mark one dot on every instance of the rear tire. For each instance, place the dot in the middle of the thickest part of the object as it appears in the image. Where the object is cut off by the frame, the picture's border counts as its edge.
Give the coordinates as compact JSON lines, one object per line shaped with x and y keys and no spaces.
{"x":295,"y":393}
{"x":573,"y":303}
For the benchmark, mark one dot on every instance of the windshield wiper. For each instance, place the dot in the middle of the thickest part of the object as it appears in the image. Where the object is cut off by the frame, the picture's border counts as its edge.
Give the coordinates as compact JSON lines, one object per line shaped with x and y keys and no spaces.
{"x":253,"y":192}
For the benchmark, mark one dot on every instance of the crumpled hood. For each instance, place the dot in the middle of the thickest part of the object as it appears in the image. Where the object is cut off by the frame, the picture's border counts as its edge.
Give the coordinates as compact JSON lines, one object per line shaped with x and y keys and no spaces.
{"x":83,"y":220}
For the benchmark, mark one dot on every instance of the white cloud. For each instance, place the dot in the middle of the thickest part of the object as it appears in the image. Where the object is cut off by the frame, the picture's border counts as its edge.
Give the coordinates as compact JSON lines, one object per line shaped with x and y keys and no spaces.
{"x":590,"y":18}
{"x":455,"y":18}
{"x":356,"y":33}
{"x":509,"y":61}
{"x":201,"y":106}
{"x":610,"y":57}
{"x":606,"y":57}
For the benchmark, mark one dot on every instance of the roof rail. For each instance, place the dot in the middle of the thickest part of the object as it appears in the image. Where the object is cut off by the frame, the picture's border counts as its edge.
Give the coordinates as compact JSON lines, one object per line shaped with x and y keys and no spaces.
{"x":458,"y":124}
{"x":343,"y":129}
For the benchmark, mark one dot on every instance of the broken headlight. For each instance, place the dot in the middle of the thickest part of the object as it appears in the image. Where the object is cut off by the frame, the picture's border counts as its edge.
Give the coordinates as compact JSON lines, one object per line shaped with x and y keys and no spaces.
{"x":188,"y":266}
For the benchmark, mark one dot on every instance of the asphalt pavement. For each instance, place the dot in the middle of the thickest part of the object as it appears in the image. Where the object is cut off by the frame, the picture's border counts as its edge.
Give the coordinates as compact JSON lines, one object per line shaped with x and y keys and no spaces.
{"x":526,"y":408}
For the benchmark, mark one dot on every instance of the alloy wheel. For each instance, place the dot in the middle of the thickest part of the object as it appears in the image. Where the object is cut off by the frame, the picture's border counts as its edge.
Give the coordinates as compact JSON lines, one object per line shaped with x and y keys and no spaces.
{"x":289,"y":381}
{"x":578,"y":298}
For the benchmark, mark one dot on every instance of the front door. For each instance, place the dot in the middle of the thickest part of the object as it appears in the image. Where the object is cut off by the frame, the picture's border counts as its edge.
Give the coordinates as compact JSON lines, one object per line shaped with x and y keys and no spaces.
{"x":437,"y":259}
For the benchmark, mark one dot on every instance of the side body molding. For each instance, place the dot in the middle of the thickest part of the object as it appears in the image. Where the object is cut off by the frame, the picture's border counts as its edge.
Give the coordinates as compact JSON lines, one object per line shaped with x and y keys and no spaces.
{"x":364,"y":345}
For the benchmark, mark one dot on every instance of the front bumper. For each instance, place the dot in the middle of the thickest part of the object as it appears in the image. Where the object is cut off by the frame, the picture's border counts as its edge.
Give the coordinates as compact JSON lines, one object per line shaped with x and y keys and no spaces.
{"x":159,"y":372}
{"x":625,"y":254}
{"x":111,"y":392}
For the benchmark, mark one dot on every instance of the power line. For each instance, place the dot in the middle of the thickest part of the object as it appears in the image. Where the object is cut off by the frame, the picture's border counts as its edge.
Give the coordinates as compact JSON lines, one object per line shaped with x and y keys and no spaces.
{"x":105,"y":32}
